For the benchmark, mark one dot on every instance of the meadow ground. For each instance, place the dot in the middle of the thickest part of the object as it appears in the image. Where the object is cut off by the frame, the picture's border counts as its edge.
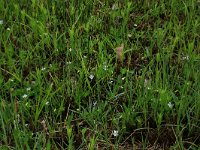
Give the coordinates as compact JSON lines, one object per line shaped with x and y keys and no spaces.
{"x":83,"y":74}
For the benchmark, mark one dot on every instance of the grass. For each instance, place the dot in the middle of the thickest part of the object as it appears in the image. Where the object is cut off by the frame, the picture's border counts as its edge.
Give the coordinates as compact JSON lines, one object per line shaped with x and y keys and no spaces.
{"x":63,"y":86}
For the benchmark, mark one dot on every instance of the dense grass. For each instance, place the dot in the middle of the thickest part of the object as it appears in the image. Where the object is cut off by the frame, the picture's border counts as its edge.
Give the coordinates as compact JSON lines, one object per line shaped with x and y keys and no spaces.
{"x":62,"y":85}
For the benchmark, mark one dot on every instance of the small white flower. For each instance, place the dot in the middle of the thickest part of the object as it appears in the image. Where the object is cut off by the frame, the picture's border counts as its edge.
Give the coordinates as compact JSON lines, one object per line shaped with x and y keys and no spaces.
{"x":123,"y":78}
{"x":25,"y":96}
{"x":70,"y":49}
{"x":129,"y":35}
{"x":105,"y":67}
{"x":84,"y":56}
{"x":185,"y":58}
{"x":115,"y":133}
{"x":111,"y":81}
{"x":135,"y":25}
{"x":28,"y":89}
{"x":91,"y":76}
{"x":170,"y":105}
{"x":47,"y":103}
{"x":50,"y":65}
{"x":43,"y":68}
{"x":8,"y":29}
{"x":68,"y":63}
{"x":1,"y":22}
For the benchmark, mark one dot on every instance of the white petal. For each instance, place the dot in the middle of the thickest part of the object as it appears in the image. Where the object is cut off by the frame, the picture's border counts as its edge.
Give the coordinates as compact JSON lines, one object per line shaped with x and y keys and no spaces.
{"x":115,"y":133}
{"x":91,"y":76}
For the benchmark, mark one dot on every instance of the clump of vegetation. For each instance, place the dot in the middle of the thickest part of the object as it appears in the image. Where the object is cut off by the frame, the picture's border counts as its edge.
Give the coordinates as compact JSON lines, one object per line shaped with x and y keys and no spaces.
{"x":99,"y":74}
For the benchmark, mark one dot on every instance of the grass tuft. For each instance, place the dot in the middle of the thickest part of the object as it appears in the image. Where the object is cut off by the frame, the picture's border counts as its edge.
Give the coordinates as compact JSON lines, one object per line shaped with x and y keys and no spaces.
{"x":99,"y":74}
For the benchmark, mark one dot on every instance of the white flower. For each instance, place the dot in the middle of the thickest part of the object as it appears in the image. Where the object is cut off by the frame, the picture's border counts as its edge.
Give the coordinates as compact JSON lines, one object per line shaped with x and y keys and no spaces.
{"x":68,"y":63}
{"x":185,"y":58}
{"x":1,"y":22}
{"x":70,"y":49}
{"x":105,"y":67}
{"x":129,"y":35}
{"x":8,"y":29}
{"x":111,"y":81}
{"x":123,"y":78}
{"x":135,"y":25}
{"x":115,"y":133}
{"x":25,"y":96}
{"x":43,"y":68}
{"x":28,"y":89}
{"x":47,"y":103}
{"x":91,"y":76}
{"x":170,"y":105}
